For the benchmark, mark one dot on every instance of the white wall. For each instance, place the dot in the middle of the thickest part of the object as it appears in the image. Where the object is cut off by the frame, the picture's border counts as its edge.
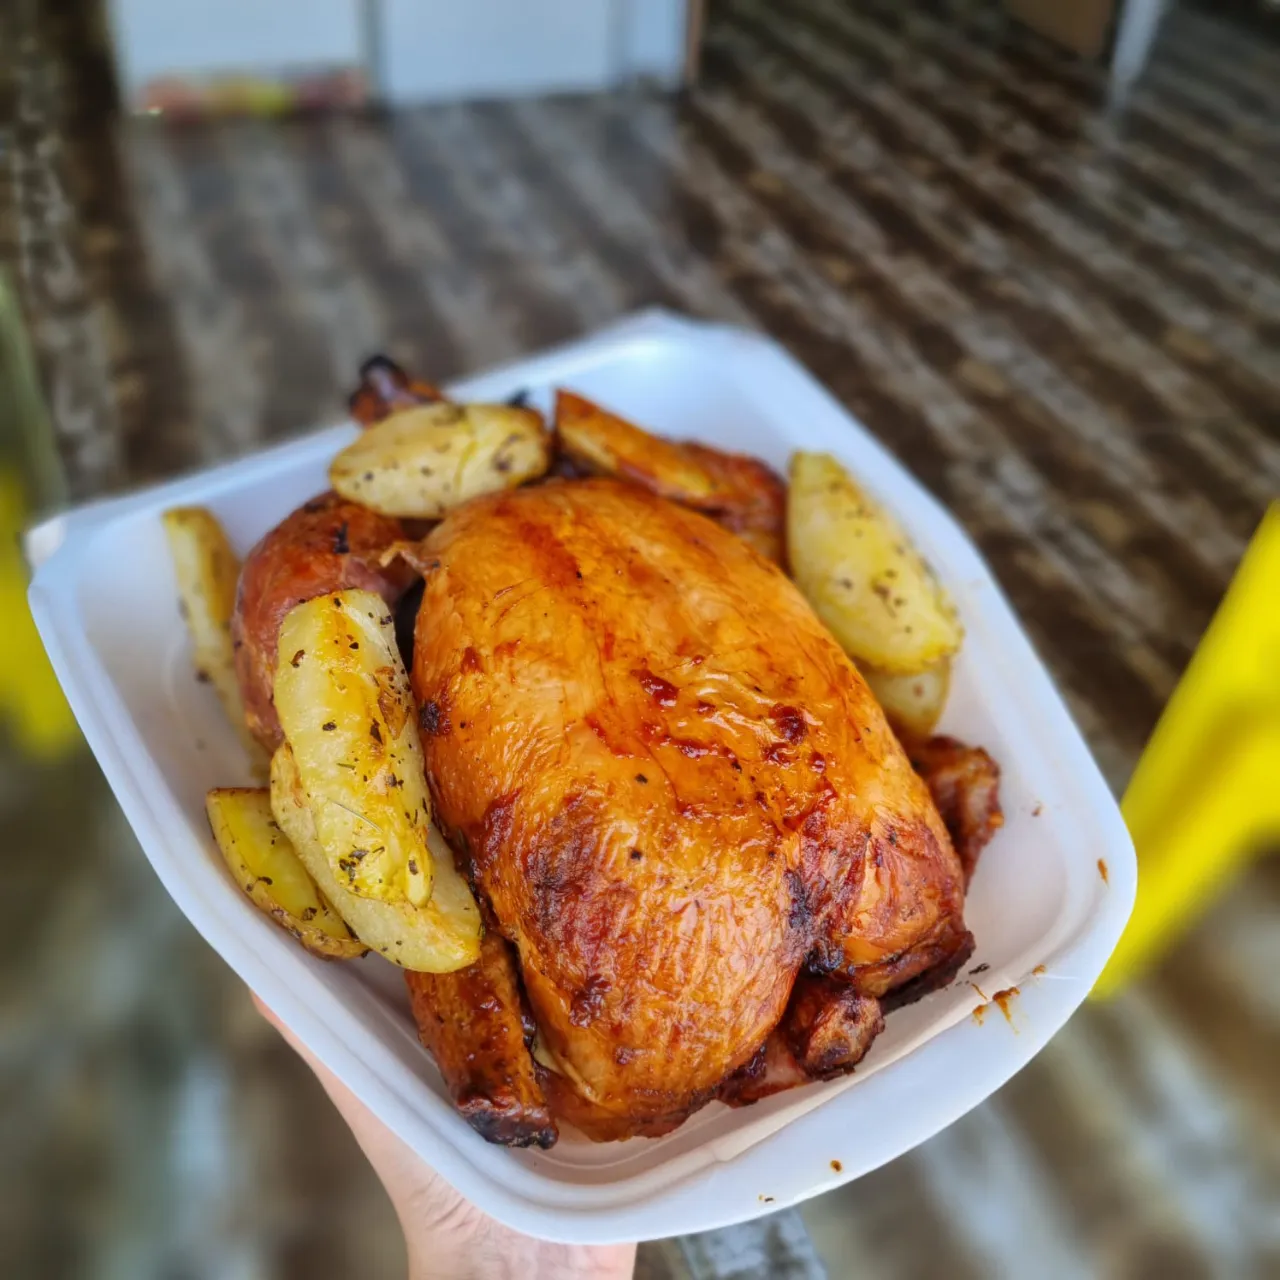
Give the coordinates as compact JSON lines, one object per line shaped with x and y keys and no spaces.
{"x":162,"y":37}
{"x":430,"y":50}
{"x":655,"y":38}
{"x":448,"y":49}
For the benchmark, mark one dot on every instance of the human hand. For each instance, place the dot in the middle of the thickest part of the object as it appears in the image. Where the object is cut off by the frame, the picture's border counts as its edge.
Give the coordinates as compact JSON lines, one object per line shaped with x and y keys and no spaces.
{"x":447,"y":1237}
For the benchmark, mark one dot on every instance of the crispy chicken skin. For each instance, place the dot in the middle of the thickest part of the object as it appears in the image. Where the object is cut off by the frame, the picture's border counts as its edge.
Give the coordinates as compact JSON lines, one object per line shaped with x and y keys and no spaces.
{"x":735,"y":490}
{"x":327,"y":544}
{"x":965,"y":784}
{"x":673,"y":790}
{"x":488,"y":1070}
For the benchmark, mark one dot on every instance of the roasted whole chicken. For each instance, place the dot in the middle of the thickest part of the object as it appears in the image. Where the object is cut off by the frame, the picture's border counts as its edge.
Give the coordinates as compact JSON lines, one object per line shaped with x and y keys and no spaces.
{"x":705,"y":863}
{"x":678,"y":800}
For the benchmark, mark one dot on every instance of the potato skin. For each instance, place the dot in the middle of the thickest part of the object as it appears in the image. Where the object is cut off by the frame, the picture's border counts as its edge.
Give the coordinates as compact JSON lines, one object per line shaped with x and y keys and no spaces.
{"x":207,"y":570}
{"x":327,"y":544}
{"x":263,"y":861}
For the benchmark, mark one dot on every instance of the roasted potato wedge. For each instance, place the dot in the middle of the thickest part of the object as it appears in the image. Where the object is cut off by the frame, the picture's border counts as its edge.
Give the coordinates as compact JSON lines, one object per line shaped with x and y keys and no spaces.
{"x":602,"y":443}
{"x":267,"y":867}
{"x":859,"y":571}
{"x":207,"y":570}
{"x":346,"y":709}
{"x":913,"y":702}
{"x":420,"y":462}
{"x":438,"y":938}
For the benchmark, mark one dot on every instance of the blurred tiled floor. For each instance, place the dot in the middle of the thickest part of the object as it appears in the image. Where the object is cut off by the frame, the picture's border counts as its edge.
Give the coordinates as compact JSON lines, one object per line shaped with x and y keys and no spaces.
{"x":1065,"y":321}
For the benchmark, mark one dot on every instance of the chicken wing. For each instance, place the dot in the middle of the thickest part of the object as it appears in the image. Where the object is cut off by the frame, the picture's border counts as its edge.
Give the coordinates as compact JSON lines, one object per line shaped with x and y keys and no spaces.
{"x":737,"y":491}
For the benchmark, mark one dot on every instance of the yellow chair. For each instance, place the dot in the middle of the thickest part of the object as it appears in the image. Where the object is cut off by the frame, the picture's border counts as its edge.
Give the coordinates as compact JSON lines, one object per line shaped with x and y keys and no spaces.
{"x":1205,"y":797}
{"x":31,"y":702}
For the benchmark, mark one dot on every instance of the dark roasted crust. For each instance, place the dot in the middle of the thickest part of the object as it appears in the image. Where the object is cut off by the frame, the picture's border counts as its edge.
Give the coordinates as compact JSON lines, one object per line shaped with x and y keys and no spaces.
{"x":472,"y":1022}
{"x":327,"y":544}
{"x":965,"y":784}
{"x":385,"y":387}
{"x":755,"y":507}
{"x":829,"y":1026}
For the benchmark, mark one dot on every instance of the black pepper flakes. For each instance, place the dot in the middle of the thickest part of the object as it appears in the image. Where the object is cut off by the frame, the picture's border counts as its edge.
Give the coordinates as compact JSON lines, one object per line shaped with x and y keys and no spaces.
{"x":297,"y":657}
{"x":341,"y":546}
{"x":329,"y":726}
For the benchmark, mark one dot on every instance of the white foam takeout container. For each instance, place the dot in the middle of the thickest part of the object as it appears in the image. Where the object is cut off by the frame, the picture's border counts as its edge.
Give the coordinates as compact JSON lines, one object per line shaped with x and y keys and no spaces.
{"x":1044,"y":915}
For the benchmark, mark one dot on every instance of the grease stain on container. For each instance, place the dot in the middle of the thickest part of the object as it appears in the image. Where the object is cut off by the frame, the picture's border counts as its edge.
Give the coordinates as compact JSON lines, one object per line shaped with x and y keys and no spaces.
{"x":1039,"y":971}
{"x":1002,"y":1001}
{"x":1102,"y":870}
{"x":837,"y":1166}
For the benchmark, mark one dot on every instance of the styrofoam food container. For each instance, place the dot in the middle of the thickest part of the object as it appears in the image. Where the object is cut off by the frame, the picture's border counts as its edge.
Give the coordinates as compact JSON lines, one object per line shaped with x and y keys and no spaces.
{"x":1044,"y":914}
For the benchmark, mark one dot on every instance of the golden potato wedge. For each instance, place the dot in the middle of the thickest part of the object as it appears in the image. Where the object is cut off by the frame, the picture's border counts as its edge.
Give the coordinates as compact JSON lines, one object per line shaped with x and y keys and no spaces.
{"x":438,"y":938}
{"x":346,"y":709}
{"x":912,"y":702}
{"x":266,"y":866}
{"x":602,"y":443}
{"x":859,"y":571}
{"x":420,"y":462}
{"x":207,"y":570}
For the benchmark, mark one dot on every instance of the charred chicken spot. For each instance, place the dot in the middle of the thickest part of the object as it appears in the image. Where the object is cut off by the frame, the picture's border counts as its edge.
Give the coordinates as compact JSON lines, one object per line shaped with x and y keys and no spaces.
{"x":341,"y":546}
{"x":314,"y":506}
{"x":663,"y":692}
{"x":800,"y":912}
{"x":704,"y":708}
{"x":470,"y":660}
{"x":641,"y":779}
{"x":588,"y":1000}
{"x":636,"y":855}
{"x":817,"y":762}
{"x":622,"y":1055}
{"x":789,"y":721}
{"x":433,"y":719}
{"x":778,"y":753}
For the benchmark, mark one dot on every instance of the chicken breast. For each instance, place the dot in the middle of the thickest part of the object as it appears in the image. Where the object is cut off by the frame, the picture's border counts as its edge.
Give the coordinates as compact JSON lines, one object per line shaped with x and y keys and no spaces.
{"x":674,"y":793}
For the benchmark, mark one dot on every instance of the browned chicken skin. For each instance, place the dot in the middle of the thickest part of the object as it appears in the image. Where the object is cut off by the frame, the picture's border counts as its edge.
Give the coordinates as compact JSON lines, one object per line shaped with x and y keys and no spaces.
{"x":674,"y":791}
{"x":327,"y":544}
{"x":965,"y":784}
{"x":489,"y":1072}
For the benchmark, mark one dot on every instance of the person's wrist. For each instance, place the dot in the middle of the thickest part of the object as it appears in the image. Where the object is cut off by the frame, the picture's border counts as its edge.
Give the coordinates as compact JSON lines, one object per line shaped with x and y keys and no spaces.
{"x":506,"y":1255}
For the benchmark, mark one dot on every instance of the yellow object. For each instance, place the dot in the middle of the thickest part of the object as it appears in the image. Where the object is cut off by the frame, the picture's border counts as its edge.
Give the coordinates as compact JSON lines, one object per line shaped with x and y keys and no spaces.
{"x":1205,"y":796}
{"x":30,"y":699}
